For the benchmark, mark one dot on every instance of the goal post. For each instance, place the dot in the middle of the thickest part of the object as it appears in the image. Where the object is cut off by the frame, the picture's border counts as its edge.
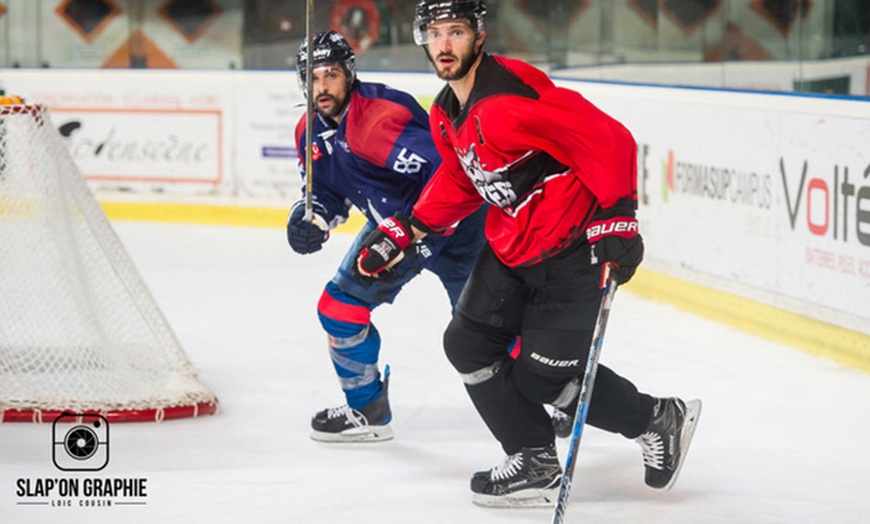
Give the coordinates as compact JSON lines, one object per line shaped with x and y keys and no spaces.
{"x":79,"y":330}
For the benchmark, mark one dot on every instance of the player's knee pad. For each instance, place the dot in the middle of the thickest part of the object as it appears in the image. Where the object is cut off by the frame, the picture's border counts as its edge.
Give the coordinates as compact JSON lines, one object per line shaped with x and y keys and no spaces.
{"x":470,"y":346}
{"x":345,"y":320}
{"x":457,"y":344}
{"x":354,"y":343}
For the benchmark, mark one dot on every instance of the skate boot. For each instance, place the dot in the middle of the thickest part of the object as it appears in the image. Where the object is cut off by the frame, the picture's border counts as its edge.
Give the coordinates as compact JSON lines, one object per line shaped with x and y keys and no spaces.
{"x":345,"y":424}
{"x":528,"y":478}
{"x":666,"y":440}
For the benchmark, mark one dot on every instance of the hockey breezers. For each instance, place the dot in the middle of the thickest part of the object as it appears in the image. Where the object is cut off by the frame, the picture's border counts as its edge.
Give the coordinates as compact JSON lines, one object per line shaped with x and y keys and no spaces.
{"x":609,"y":285}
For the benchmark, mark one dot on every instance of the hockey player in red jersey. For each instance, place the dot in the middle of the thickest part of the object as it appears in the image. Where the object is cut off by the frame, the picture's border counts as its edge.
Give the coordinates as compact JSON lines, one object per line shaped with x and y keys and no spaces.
{"x":560,"y":176}
{"x":371,"y":149}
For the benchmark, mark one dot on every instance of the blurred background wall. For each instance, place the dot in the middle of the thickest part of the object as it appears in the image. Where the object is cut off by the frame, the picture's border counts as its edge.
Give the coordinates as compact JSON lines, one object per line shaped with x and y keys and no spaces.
{"x":811,"y":45}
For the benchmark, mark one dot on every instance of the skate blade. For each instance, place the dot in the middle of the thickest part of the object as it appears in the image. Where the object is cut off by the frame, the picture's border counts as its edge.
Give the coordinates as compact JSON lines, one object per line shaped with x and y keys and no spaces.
{"x":527,"y":498}
{"x":366,"y":434}
{"x":693,"y":413}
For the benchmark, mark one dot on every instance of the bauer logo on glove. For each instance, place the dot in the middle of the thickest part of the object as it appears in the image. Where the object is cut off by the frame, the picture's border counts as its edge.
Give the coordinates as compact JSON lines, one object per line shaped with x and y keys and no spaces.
{"x":625,"y":227}
{"x":617,"y":240}
{"x":396,"y":229}
{"x":385,"y":246}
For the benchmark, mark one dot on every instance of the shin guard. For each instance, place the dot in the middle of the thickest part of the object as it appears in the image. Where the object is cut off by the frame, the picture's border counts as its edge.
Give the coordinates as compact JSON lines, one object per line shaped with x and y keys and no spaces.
{"x":354,"y":344}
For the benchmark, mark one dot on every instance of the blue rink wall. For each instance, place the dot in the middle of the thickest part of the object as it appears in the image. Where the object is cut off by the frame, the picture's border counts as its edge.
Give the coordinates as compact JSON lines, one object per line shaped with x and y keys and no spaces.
{"x":755,"y":207}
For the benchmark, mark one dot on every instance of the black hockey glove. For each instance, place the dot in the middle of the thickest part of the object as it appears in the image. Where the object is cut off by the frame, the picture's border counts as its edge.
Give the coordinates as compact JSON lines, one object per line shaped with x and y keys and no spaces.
{"x":304,"y":236}
{"x":385,"y":246}
{"x":615,"y":238}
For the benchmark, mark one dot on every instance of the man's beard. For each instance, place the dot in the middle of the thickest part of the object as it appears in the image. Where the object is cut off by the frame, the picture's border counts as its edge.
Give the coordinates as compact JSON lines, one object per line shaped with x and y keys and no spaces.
{"x":465,"y":63}
{"x":337,"y":107}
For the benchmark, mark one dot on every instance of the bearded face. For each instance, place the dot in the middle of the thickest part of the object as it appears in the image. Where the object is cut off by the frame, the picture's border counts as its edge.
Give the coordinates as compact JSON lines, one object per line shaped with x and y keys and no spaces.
{"x":331,"y":90}
{"x":452,"y":47}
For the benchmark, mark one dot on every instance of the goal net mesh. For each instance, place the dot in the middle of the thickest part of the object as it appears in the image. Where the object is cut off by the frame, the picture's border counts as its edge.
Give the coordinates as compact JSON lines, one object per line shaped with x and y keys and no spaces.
{"x":79,"y":330}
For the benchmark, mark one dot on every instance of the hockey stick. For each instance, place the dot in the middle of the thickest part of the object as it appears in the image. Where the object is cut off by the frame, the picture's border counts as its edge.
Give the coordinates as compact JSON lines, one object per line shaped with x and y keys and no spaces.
{"x":309,"y":113}
{"x":609,"y":285}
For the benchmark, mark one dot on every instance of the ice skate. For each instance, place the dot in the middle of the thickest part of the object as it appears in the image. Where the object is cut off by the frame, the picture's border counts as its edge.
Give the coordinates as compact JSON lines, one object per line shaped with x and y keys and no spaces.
{"x":345,"y":424}
{"x":528,"y":478}
{"x":666,"y":440}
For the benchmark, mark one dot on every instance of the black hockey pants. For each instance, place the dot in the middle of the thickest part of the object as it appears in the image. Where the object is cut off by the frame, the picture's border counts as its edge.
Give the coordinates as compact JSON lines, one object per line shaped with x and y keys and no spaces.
{"x":552,"y":306}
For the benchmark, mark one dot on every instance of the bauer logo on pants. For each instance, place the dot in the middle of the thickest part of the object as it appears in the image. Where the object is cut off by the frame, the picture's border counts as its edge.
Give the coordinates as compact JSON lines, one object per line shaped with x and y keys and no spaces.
{"x":554,"y":362}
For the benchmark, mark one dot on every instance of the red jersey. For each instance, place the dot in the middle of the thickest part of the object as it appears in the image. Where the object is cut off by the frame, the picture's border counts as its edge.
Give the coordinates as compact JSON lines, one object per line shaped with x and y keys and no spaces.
{"x":543,"y":156}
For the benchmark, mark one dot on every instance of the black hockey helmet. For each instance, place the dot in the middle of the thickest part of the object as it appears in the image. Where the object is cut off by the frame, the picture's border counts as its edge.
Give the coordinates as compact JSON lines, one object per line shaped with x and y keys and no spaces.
{"x":429,"y":11}
{"x":326,"y":48}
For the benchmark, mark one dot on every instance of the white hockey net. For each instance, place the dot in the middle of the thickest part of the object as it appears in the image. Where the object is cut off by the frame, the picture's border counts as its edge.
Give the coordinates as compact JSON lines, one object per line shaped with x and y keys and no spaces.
{"x":79,"y":330}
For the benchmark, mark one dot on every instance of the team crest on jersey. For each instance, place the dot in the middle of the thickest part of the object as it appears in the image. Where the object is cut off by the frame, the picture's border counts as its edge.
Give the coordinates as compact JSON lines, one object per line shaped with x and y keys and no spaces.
{"x":316,"y":153}
{"x":492,"y":185}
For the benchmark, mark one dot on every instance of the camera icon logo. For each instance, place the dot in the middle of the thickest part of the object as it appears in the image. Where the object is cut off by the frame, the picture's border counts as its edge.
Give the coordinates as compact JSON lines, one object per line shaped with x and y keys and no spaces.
{"x":83,"y":446}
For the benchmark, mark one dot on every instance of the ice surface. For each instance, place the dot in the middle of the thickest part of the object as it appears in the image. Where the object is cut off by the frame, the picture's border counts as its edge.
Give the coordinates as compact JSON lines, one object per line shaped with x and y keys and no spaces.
{"x":783,"y":437}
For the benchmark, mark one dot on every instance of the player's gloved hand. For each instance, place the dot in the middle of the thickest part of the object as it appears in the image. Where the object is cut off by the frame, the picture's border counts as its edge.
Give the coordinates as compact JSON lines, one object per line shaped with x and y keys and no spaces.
{"x":304,"y":236}
{"x":615,"y":238}
{"x":385,"y":246}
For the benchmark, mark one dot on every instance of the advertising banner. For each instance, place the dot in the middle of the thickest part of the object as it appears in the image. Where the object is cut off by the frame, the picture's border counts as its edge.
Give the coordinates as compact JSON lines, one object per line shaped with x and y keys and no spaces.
{"x":768,"y":192}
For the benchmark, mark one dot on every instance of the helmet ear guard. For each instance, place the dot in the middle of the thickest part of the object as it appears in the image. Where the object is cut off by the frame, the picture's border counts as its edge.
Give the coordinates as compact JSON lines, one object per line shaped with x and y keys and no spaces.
{"x":326,"y":48}
{"x":429,"y":11}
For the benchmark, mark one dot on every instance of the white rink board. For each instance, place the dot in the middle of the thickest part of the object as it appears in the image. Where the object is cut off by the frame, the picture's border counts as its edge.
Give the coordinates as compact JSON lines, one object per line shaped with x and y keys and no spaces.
{"x":176,"y":133}
{"x":226,"y":134}
{"x":759,"y":225}
{"x":767,"y":192}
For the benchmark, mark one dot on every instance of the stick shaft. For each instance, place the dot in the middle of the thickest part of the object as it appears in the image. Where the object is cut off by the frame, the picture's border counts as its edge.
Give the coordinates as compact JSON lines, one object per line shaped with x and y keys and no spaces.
{"x":309,"y":113}
{"x":585,"y":394}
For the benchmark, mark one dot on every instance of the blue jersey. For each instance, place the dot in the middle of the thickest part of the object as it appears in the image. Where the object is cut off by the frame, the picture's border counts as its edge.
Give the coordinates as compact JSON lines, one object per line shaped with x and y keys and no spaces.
{"x":378,"y":158}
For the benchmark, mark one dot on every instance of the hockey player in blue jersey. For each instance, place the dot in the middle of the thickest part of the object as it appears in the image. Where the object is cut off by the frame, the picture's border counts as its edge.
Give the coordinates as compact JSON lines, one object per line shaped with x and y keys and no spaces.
{"x":372,"y":149}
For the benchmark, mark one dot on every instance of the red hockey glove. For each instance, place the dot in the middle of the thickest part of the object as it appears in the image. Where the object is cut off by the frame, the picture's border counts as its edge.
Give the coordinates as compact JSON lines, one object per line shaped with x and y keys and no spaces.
{"x":616,"y":239}
{"x":385,"y":246}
